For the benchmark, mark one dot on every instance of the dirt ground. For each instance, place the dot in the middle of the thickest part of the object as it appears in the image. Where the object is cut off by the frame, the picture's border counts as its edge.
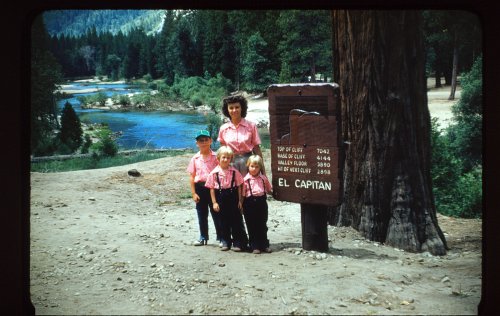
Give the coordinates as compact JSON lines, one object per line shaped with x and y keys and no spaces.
{"x":103,"y":242}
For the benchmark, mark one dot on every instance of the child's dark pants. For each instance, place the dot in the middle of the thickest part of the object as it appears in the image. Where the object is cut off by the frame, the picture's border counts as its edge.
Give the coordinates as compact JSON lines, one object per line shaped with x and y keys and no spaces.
{"x":231,"y":218}
{"x":202,"y":208}
{"x":256,"y":213}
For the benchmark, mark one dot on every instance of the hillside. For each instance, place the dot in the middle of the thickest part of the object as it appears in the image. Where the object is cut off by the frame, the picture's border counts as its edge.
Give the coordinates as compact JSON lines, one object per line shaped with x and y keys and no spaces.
{"x":77,"y":22}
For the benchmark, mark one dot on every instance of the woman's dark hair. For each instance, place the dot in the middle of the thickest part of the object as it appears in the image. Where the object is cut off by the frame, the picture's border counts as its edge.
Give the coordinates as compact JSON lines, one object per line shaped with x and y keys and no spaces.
{"x":235,"y":99}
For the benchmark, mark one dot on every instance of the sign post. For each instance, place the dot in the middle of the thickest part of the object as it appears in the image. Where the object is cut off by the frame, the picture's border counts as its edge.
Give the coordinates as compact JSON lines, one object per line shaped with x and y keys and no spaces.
{"x":305,"y":153}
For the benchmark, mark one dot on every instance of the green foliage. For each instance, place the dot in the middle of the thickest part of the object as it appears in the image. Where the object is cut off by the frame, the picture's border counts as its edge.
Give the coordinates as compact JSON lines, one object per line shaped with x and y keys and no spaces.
{"x":148,"y":78}
{"x":457,"y":152}
{"x":71,"y":128}
{"x":86,"y":144}
{"x":441,"y":29}
{"x":112,"y":66}
{"x":186,"y":87}
{"x":286,"y":73}
{"x":466,"y":134}
{"x":122,"y":99}
{"x":106,"y":146}
{"x":142,"y":99}
{"x":46,"y":146}
{"x":213,"y":125}
{"x":199,"y":91}
{"x":196,"y":100}
{"x":456,"y":192}
{"x":470,"y":189}
{"x":306,"y":44}
{"x":256,"y":71}
{"x":98,"y":98}
{"x":45,"y":75}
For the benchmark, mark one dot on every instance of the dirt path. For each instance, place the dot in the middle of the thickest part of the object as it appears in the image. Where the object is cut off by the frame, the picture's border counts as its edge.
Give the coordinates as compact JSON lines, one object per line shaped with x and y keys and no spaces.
{"x":439,"y":105}
{"x":106,"y":243}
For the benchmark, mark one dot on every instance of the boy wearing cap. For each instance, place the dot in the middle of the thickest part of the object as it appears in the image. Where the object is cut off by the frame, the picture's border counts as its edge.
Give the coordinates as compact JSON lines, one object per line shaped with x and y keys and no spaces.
{"x":200,"y":166}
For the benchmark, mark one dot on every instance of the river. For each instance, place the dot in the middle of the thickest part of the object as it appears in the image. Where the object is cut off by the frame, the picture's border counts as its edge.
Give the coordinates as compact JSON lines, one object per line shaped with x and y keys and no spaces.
{"x":137,"y":130}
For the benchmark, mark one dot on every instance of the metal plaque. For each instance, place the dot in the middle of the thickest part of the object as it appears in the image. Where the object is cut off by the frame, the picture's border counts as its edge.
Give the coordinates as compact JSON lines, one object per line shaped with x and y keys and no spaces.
{"x":305,"y":151}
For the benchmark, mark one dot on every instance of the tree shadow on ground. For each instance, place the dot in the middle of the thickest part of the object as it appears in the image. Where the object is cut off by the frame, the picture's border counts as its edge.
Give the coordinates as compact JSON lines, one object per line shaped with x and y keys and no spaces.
{"x":359,"y":253}
{"x":354,"y":253}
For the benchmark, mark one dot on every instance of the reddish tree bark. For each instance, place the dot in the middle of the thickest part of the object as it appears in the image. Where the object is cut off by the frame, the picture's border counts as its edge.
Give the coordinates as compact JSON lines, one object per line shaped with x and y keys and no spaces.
{"x":379,"y":66}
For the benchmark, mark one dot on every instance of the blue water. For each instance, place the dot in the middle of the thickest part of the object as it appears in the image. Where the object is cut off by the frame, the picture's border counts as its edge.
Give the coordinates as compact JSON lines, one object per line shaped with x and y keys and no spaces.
{"x":140,"y":129}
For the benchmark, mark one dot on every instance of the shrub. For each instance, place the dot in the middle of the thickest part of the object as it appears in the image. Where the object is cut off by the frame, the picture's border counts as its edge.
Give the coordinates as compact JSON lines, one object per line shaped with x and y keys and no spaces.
{"x":83,"y":99}
{"x":465,"y":135}
{"x":86,"y":144}
{"x":98,"y":98}
{"x":147,"y":77}
{"x":446,"y":168}
{"x":456,"y":193}
{"x":153,"y":86}
{"x":109,"y":147}
{"x":142,"y":98}
{"x":46,"y":146}
{"x":469,"y":188}
{"x":196,"y":100}
{"x":457,"y":152}
{"x":197,"y":90}
{"x":106,"y":146}
{"x":63,"y":149}
{"x":124,"y":99}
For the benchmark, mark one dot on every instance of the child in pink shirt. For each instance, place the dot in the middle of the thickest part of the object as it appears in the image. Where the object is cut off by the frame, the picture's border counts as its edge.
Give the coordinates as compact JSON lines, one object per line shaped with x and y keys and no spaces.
{"x":200,"y":166}
{"x":225,"y":183}
{"x":255,"y":187}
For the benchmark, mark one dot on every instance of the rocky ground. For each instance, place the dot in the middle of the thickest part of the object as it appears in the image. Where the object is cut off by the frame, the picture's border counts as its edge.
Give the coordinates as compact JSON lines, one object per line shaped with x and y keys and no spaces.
{"x":103,"y":242}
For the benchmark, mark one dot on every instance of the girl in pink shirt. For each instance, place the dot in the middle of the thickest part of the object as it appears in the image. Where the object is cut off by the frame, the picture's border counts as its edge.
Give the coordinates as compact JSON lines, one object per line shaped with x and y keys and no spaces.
{"x":255,"y":187}
{"x":225,"y":183}
{"x":200,"y":166}
{"x":239,"y":134}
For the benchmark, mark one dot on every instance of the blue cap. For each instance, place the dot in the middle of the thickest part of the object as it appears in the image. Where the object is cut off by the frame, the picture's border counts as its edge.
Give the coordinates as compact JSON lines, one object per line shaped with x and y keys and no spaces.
{"x":202,"y":133}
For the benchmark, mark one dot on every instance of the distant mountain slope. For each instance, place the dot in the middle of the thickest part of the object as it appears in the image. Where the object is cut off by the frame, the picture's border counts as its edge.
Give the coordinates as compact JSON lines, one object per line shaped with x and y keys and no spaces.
{"x":77,"y":22}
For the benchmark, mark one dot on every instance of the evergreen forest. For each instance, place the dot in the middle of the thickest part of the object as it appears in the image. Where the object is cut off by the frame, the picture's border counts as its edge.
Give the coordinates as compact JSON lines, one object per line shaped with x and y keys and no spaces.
{"x":229,"y":50}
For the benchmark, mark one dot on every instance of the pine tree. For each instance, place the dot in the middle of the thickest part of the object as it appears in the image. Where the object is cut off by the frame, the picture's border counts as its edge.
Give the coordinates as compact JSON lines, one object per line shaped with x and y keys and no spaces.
{"x":71,"y":128}
{"x":45,"y":75}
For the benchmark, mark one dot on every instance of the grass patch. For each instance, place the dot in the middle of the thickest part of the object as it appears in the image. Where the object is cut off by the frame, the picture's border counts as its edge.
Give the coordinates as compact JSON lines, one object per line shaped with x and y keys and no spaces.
{"x":99,"y":162}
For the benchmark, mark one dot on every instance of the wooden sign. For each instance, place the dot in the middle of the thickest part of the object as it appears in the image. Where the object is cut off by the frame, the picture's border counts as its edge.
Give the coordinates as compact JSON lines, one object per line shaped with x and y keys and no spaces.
{"x":305,"y":151}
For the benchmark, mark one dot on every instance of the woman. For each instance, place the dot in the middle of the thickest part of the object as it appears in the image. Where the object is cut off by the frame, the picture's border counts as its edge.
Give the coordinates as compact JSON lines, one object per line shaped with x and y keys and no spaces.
{"x":239,"y":134}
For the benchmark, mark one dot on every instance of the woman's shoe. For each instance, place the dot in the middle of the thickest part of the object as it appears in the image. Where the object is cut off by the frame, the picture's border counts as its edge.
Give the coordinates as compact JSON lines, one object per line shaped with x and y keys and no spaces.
{"x":200,"y":242}
{"x":268,"y":250}
{"x":236,"y":249}
{"x":256,"y":251}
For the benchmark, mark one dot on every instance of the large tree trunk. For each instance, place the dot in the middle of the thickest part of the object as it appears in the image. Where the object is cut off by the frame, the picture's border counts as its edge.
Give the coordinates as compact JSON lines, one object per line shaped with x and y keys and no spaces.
{"x":379,"y":66}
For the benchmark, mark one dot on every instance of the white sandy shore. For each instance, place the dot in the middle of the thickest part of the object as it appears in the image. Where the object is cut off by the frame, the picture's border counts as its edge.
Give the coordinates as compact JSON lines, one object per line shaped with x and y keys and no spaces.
{"x":69,"y":88}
